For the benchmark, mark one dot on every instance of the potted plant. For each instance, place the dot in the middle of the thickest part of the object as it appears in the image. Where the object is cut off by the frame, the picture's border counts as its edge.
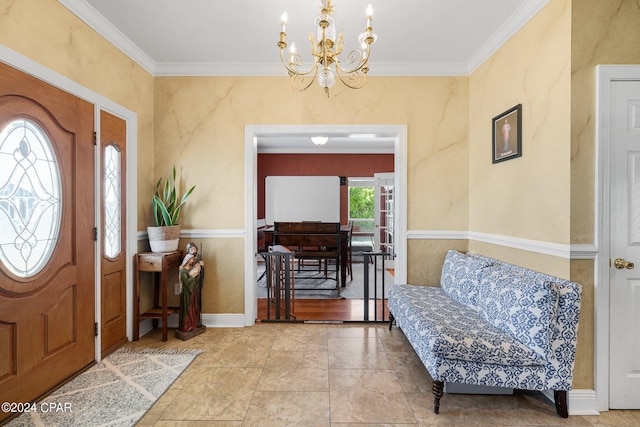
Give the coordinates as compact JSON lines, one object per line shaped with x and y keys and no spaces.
{"x":165,"y":206}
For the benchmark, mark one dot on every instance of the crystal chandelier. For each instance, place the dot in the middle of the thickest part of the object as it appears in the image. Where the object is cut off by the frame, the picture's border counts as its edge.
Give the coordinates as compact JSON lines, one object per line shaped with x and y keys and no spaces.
{"x":325,"y":50}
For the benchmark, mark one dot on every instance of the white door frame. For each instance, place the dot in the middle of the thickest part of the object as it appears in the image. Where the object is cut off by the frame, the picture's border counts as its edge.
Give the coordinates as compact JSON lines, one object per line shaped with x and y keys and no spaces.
{"x":376,"y":211}
{"x":606,"y":74}
{"x":251,"y":134}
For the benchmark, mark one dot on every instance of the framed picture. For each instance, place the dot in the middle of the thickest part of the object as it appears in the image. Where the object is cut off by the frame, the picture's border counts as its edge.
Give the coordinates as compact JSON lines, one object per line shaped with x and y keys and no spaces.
{"x":507,"y":135}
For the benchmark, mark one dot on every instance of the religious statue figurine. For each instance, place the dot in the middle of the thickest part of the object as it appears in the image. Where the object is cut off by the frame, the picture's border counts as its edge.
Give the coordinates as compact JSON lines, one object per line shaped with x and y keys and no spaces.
{"x":191,"y":278}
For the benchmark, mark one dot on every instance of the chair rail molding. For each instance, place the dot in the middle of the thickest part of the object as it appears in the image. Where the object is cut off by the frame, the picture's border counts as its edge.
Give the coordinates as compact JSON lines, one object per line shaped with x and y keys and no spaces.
{"x":203,"y":234}
{"x":573,"y":252}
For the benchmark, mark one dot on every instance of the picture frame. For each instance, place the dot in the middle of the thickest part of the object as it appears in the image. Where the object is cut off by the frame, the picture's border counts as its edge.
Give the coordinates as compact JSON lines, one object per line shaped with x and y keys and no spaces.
{"x":507,"y":135}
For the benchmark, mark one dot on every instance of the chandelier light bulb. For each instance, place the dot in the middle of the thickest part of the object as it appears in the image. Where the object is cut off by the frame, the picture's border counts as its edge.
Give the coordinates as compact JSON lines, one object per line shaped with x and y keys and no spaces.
{"x":285,"y":18}
{"x":292,"y":52}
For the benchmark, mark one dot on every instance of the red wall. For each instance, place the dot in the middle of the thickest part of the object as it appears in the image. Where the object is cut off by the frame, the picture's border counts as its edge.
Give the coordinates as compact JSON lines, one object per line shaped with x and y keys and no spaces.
{"x":360,"y":165}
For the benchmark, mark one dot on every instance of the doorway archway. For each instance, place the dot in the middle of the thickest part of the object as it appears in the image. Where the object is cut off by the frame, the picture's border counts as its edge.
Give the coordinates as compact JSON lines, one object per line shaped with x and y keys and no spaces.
{"x":253,"y":132}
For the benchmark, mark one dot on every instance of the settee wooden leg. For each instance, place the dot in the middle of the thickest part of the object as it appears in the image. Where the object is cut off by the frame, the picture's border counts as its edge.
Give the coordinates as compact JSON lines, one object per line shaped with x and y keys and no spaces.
{"x":560,"y":398}
{"x":438,"y":392}
{"x":391,"y":320}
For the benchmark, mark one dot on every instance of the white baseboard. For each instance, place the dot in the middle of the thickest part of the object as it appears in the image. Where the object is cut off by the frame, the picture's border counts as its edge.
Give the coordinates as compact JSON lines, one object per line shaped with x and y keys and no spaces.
{"x":223,"y":320}
{"x":581,"y":402}
{"x":209,"y":320}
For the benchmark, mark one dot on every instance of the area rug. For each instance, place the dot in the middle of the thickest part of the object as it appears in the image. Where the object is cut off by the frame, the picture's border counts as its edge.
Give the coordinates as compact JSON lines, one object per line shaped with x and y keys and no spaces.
{"x":118,"y":391}
{"x":312,"y":284}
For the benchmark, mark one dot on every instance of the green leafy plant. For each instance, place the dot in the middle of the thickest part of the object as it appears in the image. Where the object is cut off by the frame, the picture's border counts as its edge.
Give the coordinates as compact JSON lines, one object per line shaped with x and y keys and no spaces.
{"x":166,"y":203}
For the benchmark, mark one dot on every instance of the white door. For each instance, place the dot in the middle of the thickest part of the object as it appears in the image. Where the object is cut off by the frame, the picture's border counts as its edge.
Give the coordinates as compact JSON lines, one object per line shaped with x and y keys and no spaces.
{"x":384,"y":213}
{"x":624,"y":361}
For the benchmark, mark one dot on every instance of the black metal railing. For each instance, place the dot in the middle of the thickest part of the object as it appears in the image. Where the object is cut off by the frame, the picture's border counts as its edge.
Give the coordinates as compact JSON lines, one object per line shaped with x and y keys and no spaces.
{"x":280,"y":290}
{"x":380,"y":313}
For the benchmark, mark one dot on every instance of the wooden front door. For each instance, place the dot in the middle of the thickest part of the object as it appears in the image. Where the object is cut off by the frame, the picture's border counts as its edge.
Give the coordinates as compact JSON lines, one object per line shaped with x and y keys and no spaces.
{"x":113,"y":323}
{"x":47,"y":249}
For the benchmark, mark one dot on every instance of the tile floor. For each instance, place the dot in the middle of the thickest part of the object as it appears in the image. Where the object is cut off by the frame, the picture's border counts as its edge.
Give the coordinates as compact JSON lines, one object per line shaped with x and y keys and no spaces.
{"x":342,"y":375}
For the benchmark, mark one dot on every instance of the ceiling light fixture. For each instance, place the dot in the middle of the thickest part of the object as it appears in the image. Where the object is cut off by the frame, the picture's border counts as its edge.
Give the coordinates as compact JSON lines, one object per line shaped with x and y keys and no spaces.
{"x":319,"y":140}
{"x":325,"y":51}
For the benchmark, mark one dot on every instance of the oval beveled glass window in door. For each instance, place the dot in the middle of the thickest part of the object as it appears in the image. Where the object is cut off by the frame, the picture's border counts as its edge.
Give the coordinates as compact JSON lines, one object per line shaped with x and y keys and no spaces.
{"x":30,"y":198}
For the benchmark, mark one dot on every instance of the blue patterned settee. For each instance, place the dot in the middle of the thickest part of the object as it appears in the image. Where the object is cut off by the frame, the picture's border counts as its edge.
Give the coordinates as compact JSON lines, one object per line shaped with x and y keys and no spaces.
{"x":494,"y":324}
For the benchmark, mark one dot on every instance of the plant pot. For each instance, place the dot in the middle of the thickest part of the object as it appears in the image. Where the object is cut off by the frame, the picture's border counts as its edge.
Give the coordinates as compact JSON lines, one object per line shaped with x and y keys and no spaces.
{"x":164,"y":239}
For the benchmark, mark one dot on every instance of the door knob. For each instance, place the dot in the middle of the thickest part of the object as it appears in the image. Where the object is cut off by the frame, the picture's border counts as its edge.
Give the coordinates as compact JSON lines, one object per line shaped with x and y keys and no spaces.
{"x":620,"y":263}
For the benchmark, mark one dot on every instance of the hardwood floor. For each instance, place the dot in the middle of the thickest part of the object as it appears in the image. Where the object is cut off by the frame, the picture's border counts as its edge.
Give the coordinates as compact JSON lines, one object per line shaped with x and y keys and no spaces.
{"x":316,"y":310}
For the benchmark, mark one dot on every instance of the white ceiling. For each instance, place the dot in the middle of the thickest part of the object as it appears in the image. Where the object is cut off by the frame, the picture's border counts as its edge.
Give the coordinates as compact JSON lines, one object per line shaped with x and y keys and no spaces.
{"x":239,"y":37}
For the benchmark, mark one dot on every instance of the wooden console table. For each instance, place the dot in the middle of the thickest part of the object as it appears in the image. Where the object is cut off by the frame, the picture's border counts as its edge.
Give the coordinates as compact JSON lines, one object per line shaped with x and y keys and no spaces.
{"x":158,"y":263}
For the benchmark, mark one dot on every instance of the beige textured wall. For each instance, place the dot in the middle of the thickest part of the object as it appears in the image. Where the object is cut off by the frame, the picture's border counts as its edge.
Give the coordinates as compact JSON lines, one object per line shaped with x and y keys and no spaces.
{"x":603,"y":32}
{"x":582,"y":272}
{"x":199,"y":127}
{"x":426,"y":256}
{"x":547,"y":195}
{"x":200,"y":124}
{"x":550,"y":264}
{"x":526,"y":197}
{"x":46,"y":32}
{"x":530,"y":197}
{"x":221,"y":291}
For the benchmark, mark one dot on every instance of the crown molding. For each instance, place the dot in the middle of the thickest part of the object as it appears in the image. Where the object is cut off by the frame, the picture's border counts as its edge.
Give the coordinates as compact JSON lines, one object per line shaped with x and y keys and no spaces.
{"x":256,"y":69}
{"x":106,"y":29}
{"x":237,"y":69}
{"x":516,"y":21}
{"x":100,"y":24}
{"x":421,"y":69}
